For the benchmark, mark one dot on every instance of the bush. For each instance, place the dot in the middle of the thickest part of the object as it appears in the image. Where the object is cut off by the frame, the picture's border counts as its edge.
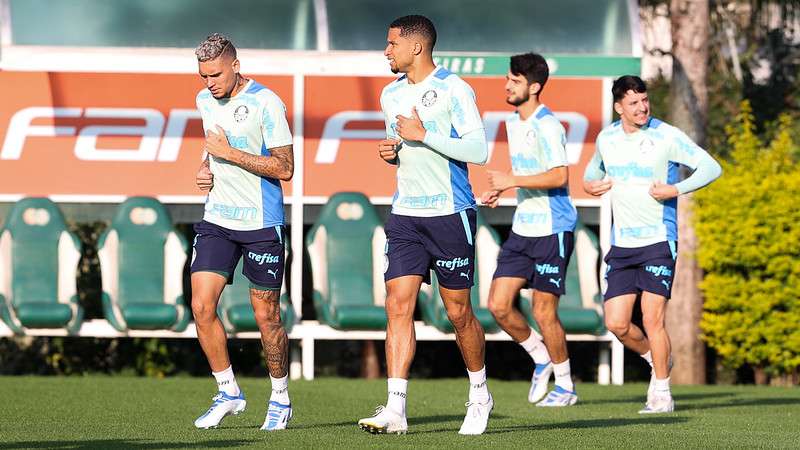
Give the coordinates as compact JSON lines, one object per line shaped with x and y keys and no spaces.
{"x":748,"y":224}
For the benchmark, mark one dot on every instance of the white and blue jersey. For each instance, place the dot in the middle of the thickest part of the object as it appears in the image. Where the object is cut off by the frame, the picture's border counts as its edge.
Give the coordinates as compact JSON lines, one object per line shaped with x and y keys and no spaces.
{"x":430,"y":184}
{"x":633,"y":162}
{"x":537,"y":145}
{"x":254,"y":121}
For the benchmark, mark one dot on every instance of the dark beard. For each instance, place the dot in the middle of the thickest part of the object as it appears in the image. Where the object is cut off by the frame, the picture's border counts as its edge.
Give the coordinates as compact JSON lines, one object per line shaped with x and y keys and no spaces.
{"x":518,"y":101}
{"x":395,"y":71}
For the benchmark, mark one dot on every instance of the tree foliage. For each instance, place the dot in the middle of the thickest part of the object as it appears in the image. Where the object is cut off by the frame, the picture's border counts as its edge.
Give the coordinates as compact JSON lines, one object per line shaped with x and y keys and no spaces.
{"x":748,"y":223}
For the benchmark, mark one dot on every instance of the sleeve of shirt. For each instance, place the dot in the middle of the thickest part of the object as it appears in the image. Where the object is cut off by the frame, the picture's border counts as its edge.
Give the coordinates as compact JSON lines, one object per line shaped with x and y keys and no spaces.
{"x":595,"y":170}
{"x":274,"y":125}
{"x":553,"y":142}
{"x":687,"y":152}
{"x":390,"y":133}
{"x":464,"y":114}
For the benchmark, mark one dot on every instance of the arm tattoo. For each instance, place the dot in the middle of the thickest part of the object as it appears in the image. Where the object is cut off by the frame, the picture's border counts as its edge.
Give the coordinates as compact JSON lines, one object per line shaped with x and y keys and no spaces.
{"x":279,"y":164}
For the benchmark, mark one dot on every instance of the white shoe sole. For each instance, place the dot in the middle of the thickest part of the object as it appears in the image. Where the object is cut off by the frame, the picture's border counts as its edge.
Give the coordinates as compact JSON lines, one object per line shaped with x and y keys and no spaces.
{"x":377,"y":429}
{"x":235,"y":412}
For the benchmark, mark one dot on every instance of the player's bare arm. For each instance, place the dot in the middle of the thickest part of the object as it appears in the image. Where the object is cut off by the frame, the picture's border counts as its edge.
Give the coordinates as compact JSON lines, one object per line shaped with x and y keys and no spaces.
{"x":204,"y":178}
{"x":554,"y":178}
{"x":279,"y":164}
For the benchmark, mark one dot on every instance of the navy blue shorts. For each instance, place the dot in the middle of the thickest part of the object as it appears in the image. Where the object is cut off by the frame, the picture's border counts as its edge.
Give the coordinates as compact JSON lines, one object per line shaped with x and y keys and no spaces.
{"x":542,"y":260}
{"x":218,"y":249}
{"x":444,"y":244}
{"x":634,"y":270}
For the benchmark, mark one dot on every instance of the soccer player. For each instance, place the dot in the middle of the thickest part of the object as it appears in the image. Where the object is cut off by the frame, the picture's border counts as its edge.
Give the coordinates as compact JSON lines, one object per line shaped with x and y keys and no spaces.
{"x":537,"y":252}
{"x":434,"y":129}
{"x":637,"y":160}
{"x":249,"y":149}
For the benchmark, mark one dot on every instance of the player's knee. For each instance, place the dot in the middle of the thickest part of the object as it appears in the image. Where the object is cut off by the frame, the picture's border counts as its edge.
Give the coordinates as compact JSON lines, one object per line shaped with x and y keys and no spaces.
{"x":499,"y":309}
{"x":618,"y":327}
{"x":545,"y":314}
{"x":202,"y":312}
{"x":267,"y":318}
{"x":652,"y":325}
{"x":398,"y":308}
{"x":459,"y":315}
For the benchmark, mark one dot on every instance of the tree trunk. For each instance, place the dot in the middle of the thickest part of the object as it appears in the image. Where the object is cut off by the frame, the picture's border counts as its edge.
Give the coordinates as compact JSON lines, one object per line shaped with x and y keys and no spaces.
{"x":760,"y":376}
{"x":370,"y":365}
{"x":688,"y":110}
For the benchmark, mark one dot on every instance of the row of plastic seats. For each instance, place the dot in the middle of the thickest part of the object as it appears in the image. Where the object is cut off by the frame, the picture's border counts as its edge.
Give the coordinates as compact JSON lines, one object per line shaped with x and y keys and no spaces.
{"x":142,"y":259}
{"x":346,"y":251}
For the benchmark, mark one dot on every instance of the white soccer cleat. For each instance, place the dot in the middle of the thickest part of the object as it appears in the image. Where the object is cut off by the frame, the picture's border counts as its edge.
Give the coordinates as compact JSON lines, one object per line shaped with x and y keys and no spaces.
{"x":278,"y":416}
{"x":559,"y":397}
{"x":224,"y":405}
{"x":385,"y":421}
{"x":477,"y":417}
{"x":658,"y":404}
{"x":539,"y":380}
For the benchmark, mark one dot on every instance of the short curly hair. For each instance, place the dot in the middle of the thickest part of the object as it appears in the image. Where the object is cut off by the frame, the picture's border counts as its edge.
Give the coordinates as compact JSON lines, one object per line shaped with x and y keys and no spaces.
{"x":214,"y":46}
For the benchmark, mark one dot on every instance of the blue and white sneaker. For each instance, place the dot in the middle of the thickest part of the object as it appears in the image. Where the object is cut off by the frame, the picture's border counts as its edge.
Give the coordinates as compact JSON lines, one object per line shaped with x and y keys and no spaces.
{"x":224,"y":405}
{"x":539,"y":380}
{"x":278,"y":416}
{"x":559,"y":397}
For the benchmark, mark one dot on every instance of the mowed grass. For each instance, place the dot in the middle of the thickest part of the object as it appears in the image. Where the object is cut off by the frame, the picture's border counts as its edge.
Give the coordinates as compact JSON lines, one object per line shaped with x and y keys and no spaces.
{"x":107,"y":412}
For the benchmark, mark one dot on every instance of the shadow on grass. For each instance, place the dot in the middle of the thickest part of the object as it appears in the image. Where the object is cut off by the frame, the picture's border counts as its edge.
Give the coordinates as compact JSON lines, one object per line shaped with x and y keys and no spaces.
{"x":136,"y":444}
{"x":642,"y":398}
{"x":734,"y":403}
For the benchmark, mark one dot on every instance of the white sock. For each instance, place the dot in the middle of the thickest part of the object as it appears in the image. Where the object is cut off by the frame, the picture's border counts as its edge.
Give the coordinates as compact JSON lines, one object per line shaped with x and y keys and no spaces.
{"x":535,"y":347}
{"x":226,"y":382}
{"x":478,"y":390}
{"x":280,"y":390}
{"x":397,"y":395}
{"x":563,"y":375}
{"x":662,"y":386}
{"x":648,"y":357}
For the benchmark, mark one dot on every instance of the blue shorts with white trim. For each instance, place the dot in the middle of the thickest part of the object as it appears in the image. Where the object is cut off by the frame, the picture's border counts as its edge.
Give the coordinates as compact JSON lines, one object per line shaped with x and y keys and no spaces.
{"x":444,"y":244}
{"x":542,"y":261}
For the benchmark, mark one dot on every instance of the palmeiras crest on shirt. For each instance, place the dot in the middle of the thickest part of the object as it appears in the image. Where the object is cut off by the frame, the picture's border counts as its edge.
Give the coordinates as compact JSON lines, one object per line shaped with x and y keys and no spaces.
{"x":646,"y":146}
{"x":429,"y":98}
{"x":240,"y":113}
{"x":530,"y":137}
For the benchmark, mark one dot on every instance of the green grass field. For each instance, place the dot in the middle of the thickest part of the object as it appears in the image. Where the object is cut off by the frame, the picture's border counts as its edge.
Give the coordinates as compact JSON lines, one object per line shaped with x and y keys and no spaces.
{"x":141,"y":413}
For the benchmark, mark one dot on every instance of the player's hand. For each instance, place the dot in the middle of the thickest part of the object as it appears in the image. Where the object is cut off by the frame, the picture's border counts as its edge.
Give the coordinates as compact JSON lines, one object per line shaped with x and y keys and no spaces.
{"x":597,"y":187}
{"x":661,"y":191}
{"x":410,"y":128}
{"x":499,"y":181}
{"x":205,"y":179}
{"x":387,"y":149}
{"x":217,"y":144}
{"x":490,"y":198}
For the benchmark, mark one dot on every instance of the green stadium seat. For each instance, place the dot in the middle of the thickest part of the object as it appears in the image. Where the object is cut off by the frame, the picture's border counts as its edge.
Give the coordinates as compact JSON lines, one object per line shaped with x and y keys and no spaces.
{"x":581,"y":308}
{"x":487,"y":247}
{"x":346,"y":251}
{"x":235,"y":310}
{"x":38,"y":269}
{"x":142,"y":259}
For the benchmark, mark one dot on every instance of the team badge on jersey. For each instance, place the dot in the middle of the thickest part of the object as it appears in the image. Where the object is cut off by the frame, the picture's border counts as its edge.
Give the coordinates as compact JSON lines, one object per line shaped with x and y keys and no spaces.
{"x":240,"y":113}
{"x":429,"y":98}
{"x":646,"y":146}
{"x":530,"y":137}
